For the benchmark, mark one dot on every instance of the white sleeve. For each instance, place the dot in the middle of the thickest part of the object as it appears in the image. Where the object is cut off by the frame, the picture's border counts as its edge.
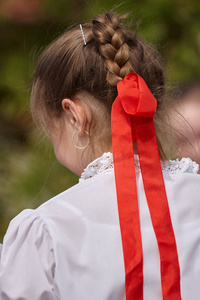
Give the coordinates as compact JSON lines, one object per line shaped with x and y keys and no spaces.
{"x":27,"y":260}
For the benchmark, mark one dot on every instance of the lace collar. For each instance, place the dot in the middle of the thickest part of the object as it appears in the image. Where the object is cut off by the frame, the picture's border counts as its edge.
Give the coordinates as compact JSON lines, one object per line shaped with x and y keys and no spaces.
{"x":104,"y":164}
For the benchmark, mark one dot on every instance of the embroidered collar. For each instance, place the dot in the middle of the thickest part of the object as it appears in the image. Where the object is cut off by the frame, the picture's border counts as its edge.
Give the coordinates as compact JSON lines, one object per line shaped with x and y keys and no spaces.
{"x":104,"y":164}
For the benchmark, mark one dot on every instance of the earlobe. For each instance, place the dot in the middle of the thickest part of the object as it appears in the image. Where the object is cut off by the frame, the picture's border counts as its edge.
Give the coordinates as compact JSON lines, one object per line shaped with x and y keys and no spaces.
{"x":75,"y":113}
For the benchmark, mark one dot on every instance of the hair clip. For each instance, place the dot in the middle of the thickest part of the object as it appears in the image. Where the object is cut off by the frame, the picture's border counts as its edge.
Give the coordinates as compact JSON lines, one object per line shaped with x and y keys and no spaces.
{"x":83,"y":35}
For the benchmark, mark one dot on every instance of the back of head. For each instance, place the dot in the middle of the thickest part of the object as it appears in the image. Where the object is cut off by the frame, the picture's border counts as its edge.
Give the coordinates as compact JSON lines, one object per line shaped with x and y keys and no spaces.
{"x":181,"y":114}
{"x":184,"y":92}
{"x":68,"y":67}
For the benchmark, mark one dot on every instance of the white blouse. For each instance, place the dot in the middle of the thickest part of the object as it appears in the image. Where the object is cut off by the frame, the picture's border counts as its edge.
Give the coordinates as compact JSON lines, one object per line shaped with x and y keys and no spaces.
{"x":70,"y":247}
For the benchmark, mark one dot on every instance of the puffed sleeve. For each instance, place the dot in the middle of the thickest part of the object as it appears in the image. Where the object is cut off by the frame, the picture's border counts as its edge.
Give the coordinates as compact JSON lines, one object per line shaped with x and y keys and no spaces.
{"x":27,"y":260}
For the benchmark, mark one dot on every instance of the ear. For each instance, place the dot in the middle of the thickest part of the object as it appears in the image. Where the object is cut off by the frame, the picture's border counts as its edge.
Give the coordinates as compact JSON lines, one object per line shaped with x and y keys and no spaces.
{"x":76,"y":114}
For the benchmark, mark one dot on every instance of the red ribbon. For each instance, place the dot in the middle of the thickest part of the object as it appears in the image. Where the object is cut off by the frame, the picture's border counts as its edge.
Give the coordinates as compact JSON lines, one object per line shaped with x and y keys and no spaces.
{"x":132,"y":120}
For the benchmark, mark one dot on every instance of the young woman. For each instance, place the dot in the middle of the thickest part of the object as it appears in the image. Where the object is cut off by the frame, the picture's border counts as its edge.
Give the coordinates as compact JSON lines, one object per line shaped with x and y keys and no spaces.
{"x":182,"y":113}
{"x":130,"y":228}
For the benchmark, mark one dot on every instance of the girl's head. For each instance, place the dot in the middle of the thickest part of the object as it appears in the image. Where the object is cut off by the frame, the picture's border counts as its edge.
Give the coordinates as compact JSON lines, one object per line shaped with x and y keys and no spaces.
{"x":182,"y":114}
{"x":85,"y":77}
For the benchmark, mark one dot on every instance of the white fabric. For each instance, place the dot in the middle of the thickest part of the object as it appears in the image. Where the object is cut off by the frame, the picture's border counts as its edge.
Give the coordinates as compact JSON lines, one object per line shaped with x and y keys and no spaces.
{"x":70,"y":247}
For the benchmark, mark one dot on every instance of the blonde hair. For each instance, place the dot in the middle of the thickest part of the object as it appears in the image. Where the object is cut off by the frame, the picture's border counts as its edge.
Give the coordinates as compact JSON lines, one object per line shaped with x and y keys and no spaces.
{"x":68,"y":66}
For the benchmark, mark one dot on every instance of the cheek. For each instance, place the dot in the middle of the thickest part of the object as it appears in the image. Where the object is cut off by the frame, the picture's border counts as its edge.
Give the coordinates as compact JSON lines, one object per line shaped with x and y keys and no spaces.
{"x":57,"y":153}
{"x":192,"y":112}
{"x":57,"y":143}
{"x":59,"y":149}
{"x":63,"y":150}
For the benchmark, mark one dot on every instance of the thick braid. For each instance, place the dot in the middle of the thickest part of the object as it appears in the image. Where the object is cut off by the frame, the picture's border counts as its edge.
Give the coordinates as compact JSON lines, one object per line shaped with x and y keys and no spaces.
{"x":112,"y":45}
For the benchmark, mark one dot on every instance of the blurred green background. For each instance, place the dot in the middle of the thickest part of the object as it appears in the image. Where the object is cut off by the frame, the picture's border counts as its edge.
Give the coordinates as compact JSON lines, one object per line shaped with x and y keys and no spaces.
{"x":29,"y":173}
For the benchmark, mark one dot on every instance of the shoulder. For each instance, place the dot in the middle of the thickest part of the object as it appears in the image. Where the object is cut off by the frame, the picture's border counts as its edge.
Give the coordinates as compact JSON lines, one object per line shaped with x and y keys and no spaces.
{"x":182,"y":175}
{"x":27,"y":257}
{"x":25,"y":227}
{"x":185,"y":165}
{"x":68,"y":202}
{"x":85,"y":193}
{"x":25,"y":219}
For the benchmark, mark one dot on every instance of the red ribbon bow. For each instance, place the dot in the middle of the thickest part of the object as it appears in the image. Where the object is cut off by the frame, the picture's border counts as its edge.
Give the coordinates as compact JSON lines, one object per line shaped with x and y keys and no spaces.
{"x":132,"y":120}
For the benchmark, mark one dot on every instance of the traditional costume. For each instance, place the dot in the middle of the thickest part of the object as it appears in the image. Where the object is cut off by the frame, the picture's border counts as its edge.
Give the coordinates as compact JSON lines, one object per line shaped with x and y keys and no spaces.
{"x":130,"y":229}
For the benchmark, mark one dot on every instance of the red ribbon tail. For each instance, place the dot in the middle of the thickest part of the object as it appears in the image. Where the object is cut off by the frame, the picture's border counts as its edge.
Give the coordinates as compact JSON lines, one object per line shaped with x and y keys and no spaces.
{"x":127,"y":201}
{"x":132,"y":119}
{"x":158,"y":206}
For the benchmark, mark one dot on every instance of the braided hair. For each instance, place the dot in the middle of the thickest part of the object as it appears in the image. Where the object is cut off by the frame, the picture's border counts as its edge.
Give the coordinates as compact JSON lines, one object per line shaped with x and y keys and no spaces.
{"x":113,"y":46}
{"x":69,"y":67}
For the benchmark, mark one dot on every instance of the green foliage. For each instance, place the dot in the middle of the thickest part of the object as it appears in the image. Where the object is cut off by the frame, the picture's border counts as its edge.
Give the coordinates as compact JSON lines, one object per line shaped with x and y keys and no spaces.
{"x":29,"y":174}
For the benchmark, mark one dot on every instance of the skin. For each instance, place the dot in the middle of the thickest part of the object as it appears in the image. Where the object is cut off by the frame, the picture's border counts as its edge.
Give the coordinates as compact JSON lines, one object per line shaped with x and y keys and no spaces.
{"x":185,"y":120}
{"x":77,"y":117}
